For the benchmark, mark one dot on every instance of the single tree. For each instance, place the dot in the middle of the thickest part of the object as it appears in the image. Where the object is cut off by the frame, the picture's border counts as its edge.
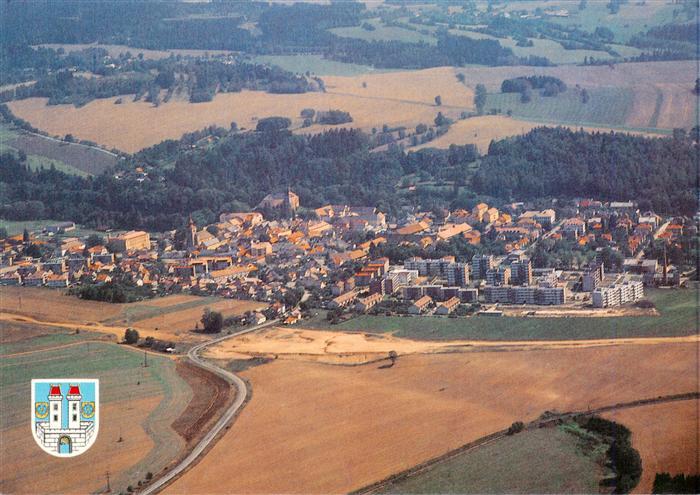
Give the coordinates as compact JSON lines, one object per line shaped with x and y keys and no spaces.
{"x":213,"y":321}
{"x":438,"y":100}
{"x":480,"y":98}
{"x":131,"y":336}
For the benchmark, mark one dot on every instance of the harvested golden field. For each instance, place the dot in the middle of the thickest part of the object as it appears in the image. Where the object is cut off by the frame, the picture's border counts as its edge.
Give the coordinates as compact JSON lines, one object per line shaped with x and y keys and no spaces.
{"x":167,"y":318}
{"x":480,"y":131}
{"x":84,"y":473}
{"x":54,"y":305}
{"x":659,"y":95}
{"x":666,"y":436}
{"x":164,"y":302}
{"x":132,"y":126}
{"x":180,"y":322}
{"x":316,"y":428}
{"x":418,"y":86}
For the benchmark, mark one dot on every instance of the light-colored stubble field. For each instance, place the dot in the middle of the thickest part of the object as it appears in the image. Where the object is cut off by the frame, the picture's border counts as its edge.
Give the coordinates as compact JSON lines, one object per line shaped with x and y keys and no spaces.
{"x":315,"y":428}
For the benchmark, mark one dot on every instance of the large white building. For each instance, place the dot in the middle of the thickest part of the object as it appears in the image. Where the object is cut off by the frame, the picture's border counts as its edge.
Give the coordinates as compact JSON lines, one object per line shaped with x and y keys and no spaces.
{"x":615,"y":295}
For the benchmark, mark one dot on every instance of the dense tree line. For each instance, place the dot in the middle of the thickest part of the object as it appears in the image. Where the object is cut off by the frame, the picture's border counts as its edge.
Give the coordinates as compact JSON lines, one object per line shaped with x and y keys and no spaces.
{"x":238,"y":169}
{"x":624,"y":459}
{"x":680,"y":483}
{"x":659,"y":173}
{"x":679,"y":41}
{"x":449,"y":50}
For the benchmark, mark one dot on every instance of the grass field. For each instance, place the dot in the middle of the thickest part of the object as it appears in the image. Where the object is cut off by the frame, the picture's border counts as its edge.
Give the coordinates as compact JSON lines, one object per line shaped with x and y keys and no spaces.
{"x":316,"y":64}
{"x":677,"y":308}
{"x":137,"y":403}
{"x":384,"y":33}
{"x":317,"y":428}
{"x":607,"y":106}
{"x":182,"y":316}
{"x":666,"y":437}
{"x":36,"y":226}
{"x":12,"y":141}
{"x":509,"y":466}
{"x":70,"y":158}
{"x":632,"y":18}
{"x":553,"y":50}
{"x":19,"y":337}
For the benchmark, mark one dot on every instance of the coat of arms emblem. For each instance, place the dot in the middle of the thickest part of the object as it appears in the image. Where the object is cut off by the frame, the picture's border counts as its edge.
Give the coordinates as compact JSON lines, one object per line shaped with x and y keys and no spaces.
{"x":65,"y":415}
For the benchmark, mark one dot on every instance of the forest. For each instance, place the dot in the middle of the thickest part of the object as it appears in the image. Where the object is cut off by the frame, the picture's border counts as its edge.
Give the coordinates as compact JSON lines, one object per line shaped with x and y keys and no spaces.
{"x":338,"y":166}
{"x":659,"y":173}
{"x":298,"y":28}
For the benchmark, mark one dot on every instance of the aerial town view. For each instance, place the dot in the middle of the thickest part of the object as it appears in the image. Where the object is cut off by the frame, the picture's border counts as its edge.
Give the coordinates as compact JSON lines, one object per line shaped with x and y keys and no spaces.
{"x":349,"y":246}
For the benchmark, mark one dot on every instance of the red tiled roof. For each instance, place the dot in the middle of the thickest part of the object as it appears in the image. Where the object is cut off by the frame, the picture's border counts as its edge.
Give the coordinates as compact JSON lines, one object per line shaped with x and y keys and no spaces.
{"x":55,"y":390}
{"x":74,"y":390}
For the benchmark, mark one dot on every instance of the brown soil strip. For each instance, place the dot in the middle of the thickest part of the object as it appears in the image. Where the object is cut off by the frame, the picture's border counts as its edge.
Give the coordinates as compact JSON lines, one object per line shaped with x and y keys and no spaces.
{"x":211,"y":394}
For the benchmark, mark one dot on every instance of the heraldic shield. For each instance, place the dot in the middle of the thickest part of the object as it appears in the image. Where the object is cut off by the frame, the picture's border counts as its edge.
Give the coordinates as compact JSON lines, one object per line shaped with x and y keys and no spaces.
{"x":65,"y":414}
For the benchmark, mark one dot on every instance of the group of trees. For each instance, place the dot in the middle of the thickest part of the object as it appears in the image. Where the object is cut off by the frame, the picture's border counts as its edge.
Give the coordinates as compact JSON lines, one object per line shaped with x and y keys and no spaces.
{"x":114,"y":292}
{"x":548,"y":86}
{"x":333,"y":117}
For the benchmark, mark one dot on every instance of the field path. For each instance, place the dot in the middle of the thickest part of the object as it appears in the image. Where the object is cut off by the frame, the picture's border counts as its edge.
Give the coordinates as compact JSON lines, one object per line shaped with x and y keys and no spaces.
{"x":239,"y":401}
{"x":53,"y":348}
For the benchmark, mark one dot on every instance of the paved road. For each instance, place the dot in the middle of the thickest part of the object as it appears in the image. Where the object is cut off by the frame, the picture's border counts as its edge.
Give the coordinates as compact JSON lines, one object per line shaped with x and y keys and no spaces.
{"x":241,"y":396}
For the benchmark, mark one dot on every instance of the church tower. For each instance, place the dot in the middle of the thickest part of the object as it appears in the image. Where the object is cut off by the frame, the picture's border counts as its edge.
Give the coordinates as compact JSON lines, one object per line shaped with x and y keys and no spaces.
{"x":191,"y":234}
{"x":74,"y":406}
{"x":55,"y":407}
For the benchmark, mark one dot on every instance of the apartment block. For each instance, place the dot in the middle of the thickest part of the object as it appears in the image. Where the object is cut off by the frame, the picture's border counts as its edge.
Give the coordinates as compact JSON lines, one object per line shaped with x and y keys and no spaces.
{"x":480,"y":265}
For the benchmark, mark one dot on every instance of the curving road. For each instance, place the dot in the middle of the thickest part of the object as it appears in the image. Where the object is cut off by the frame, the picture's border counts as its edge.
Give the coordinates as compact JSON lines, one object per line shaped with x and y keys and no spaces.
{"x":238,"y":402}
